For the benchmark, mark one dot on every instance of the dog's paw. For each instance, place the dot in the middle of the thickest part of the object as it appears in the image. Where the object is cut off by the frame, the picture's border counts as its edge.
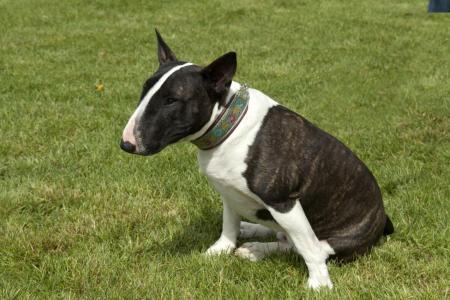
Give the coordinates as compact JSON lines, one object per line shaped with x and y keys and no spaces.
{"x":318,"y":275}
{"x":220,"y":247}
{"x":252,"y":251}
{"x":317,"y":282}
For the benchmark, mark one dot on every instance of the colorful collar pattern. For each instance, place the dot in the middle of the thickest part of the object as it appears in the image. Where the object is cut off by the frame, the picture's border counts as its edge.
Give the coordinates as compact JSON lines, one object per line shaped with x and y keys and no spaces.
{"x":226,"y":122}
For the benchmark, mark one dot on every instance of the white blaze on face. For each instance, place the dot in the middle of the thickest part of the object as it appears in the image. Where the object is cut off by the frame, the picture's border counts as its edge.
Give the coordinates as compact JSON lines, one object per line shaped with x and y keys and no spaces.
{"x":129,"y":131}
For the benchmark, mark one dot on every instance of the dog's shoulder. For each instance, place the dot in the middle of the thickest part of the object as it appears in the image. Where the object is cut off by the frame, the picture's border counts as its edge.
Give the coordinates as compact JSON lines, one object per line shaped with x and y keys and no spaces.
{"x":274,"y":160}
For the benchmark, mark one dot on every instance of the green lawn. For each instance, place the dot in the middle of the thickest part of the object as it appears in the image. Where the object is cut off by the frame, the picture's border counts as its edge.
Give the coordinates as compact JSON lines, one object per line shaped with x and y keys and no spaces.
{"x":81,"y":219}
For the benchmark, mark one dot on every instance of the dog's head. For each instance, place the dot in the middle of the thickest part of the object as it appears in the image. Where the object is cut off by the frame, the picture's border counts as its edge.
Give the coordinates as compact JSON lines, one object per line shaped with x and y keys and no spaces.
{"x":176,"y":101}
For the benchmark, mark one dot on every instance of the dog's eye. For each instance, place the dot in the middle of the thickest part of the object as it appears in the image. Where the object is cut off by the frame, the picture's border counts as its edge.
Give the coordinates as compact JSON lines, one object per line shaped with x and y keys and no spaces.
{"x":169,"y":101}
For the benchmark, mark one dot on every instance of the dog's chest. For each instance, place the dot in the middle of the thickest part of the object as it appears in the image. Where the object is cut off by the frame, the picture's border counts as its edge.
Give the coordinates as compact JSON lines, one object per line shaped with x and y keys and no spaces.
{"x":225,"y":169}
{"x":224,"y":166}
{"x":226,"y":176}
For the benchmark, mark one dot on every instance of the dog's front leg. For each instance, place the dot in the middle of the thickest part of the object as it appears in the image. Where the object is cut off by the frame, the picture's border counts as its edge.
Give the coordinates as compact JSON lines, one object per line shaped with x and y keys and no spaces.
{"x":230,"y":231}
{"x":313,"y":251}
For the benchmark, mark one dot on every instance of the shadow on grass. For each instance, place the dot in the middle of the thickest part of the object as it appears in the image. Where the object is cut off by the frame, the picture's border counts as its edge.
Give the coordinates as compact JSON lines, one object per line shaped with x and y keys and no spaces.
{"x":204,"y":229}
{"x":195,"y":235}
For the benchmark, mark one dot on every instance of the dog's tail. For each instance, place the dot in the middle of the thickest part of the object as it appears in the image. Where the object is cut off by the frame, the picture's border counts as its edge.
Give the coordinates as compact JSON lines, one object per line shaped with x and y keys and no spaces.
{"x":388,"y":227}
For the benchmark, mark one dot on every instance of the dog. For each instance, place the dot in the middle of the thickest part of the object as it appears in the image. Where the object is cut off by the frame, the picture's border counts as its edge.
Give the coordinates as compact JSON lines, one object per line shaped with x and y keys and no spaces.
{"x":270,"y":165}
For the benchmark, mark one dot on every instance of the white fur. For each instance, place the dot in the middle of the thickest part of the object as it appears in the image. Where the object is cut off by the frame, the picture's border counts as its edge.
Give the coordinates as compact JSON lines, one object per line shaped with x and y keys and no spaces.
{"x":313,"y":251}
{"x":224,"y":167}
{"x":129,"y":131}
{"x":230,"y":231}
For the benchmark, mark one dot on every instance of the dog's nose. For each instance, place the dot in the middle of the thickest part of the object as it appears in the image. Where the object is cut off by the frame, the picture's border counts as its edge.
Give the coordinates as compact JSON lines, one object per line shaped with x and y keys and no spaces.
{"x":127,"y":146}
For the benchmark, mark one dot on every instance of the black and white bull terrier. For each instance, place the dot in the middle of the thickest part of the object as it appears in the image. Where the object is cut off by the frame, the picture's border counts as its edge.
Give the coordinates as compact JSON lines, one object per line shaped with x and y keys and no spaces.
{"x":270,"y":165}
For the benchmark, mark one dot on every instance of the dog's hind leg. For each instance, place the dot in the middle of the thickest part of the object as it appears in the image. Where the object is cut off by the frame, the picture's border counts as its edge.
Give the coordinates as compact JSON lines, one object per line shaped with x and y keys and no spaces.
{"x":362,"y":238}
{"x":256,"y":251}
{"x":251,"y":230}
{"x":313,"y":251}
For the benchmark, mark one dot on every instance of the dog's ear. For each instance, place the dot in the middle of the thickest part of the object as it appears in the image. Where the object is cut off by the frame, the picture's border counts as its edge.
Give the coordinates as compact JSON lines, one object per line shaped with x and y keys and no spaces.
{"x":164,"y":52}
{"x":220,"y":72}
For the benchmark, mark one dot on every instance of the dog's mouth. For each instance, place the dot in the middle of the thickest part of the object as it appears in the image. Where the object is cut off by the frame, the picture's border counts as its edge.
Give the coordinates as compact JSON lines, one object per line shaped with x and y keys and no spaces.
{"x":148,"y":152}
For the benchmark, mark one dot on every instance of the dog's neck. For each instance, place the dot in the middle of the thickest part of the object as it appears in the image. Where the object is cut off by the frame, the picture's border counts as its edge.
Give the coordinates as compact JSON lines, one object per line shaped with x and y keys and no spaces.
{"x":216,"y":112}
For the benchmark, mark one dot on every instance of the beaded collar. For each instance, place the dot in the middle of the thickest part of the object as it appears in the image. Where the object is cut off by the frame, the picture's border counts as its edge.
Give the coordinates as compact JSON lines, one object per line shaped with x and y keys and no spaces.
{"x":226,"y":122}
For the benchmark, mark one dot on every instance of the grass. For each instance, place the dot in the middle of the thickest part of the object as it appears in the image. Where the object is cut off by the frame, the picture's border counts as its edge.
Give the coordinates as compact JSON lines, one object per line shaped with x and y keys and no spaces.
{"x":80,"y":219}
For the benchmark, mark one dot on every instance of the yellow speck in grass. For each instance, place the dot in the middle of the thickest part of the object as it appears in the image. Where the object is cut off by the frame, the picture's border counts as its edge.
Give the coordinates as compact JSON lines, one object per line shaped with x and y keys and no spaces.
{"x":100,"y":87}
